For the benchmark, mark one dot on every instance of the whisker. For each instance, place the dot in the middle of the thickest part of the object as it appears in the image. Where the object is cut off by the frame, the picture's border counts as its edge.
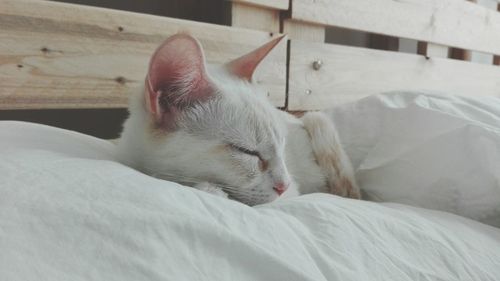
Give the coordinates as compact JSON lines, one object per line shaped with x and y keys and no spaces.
{"x":236,"y":190}
{"x":236,"y":193}
{"x":176,"y":178}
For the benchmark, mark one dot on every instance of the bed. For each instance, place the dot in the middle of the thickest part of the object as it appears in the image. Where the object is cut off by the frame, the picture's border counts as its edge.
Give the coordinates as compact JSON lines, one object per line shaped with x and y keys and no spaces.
{"x":422,"y":130}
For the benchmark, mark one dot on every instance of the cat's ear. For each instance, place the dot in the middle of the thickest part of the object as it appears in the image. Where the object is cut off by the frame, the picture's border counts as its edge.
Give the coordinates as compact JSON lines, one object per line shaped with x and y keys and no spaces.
{"x":177,"y":77}
{"x":244,"y":66}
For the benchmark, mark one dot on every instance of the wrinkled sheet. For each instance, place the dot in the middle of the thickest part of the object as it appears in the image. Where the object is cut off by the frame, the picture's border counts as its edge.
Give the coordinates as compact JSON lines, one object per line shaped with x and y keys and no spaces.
{"x":428,"y":150}
{"x":69,"y":212}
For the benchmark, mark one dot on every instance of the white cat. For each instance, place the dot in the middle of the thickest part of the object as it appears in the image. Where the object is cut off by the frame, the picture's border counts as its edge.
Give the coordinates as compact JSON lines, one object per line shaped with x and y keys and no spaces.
{"x":209,"y":127}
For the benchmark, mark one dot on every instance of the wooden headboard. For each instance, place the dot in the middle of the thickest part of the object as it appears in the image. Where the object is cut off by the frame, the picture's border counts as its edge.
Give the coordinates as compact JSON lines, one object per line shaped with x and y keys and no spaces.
{"x":58,"y":55}
{"x":349,"y":73}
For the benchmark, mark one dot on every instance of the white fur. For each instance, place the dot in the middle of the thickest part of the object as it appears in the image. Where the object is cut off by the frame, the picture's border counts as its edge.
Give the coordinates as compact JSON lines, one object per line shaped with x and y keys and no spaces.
{"x":197,"y":154}
{"x":330,"y":155}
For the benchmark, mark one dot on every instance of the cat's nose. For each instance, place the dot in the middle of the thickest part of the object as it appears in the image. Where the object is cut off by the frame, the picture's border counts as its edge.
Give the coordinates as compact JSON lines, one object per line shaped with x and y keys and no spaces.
{"x":280,"y":187}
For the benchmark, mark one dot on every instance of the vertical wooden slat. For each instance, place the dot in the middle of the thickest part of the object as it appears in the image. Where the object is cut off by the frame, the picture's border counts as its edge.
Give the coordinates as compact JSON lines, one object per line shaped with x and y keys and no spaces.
{"x":432,"y":50}
{"x":496,"y":59}
{"x":304,"y":31}
{"x":255,"y":17}
{"x":467,"y":54}
{"x":461,"y":54}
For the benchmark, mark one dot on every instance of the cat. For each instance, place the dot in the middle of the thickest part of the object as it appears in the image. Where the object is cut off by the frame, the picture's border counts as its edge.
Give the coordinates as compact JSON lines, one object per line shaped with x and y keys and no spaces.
{"x":211,"y":128}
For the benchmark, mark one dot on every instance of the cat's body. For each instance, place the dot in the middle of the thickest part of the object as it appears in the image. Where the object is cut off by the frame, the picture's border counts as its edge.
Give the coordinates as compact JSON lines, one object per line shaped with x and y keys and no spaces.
{"x":210,"y":128}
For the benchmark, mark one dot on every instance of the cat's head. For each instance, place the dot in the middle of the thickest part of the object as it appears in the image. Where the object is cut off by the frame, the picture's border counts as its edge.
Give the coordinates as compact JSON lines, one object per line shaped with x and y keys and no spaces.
{"x":209,"y":123}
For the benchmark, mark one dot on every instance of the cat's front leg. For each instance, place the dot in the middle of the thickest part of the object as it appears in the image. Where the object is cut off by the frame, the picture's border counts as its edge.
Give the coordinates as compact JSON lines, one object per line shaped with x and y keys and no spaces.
{"x":330,"y":155}
{"x":210,"y":188}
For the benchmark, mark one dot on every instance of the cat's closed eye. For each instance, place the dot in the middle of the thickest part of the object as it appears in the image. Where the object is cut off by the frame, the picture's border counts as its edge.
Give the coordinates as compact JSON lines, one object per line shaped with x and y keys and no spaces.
{"x":263,"y":164}
{"x":245,"y":150}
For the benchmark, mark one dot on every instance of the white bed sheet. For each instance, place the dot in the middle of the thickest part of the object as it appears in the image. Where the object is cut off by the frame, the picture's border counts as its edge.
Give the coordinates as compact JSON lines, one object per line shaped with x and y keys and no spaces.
{"x":428,"y":150}
{"x":69,"y":212}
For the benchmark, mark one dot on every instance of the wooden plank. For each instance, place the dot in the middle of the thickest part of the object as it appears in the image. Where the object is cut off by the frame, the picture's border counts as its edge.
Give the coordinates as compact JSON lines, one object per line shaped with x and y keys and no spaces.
{"x":437,"y":51}
{"x":255,"y":17}
{"x":304,"y":31}
{"x":57,"y":55}
{"x":274,"y":4}
{"x":458,"y":53}
{"x":496,"y":59}
{"x":432,"y":50}
{"x":454,"y":23}
{"x":350,"y":73}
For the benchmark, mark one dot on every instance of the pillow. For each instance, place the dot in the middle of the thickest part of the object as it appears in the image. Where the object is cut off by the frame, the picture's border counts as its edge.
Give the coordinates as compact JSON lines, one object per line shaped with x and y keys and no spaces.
{"x":15,"y":135}
{"x":426,"y":149}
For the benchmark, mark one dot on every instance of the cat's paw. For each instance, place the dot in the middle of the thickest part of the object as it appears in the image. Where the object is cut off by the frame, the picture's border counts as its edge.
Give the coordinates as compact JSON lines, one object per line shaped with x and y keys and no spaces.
{"x":350,"y":188}
{"x":346,"y":187}
{"x":330,"y":155}
{"x":210,"y":188}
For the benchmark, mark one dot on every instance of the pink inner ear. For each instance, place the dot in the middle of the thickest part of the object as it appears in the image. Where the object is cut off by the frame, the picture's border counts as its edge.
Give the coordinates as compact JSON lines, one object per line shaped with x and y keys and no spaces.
{"x":244,"y":66}
{"x":177,"y":75}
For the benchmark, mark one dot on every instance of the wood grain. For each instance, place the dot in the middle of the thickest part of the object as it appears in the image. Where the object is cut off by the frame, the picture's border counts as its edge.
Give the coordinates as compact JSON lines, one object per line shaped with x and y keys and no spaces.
{"x":496,"y":59}
{"x":255,"y":17}
{"x":57,"y":55}
{"x":304,"y":31}
{"x":275,"y":4}
{"x":350,"y":73}
{"x":432,"y":50}
{"x":456,"y":23}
